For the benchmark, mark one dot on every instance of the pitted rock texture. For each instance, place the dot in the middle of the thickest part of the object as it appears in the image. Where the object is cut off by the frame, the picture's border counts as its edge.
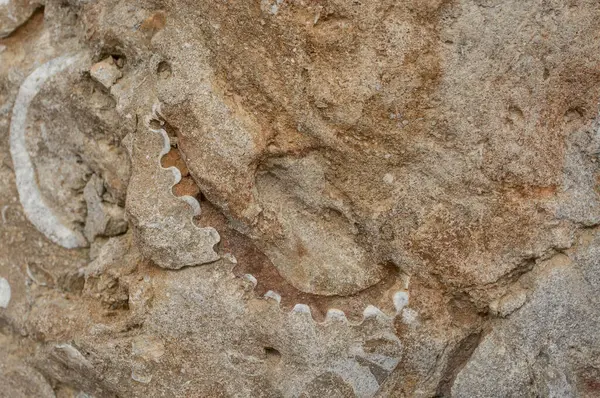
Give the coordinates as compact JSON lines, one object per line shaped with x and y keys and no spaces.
{"x":163,"y":223}
{"x":277,"y":198}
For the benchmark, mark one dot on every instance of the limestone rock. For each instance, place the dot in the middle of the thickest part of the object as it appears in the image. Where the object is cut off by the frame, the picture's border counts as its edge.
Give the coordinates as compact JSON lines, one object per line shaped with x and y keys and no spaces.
{"x":14,"y":13}
{"x":299,"y":198}
{"x":21,"y":381}
{"x":532,"y":352}
{"x":104,"y":219}
{"x":163,"y":222}
{"x":106,"y":72}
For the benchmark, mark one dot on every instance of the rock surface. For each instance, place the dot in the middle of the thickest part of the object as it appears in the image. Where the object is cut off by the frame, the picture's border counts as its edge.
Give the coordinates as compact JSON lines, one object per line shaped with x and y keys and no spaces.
{"x":283,"y":198}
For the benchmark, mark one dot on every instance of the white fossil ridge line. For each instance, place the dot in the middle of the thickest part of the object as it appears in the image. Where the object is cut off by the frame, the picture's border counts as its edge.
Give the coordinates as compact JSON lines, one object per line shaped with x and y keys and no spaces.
{"x":35,"y":208}
{"x":5,"y":293}
{"x":164,"y":221}
{"x":157,"y":116}
{"x":333,"y":314}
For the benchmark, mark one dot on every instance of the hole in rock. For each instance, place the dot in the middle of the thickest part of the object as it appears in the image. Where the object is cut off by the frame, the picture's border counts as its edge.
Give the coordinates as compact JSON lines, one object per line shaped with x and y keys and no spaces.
{"x":164,"y":70}
{"x":273,"y":356}
{"x":155,"y":124}
{"x":515,"y":112}
{"x":546,"y":73}
{"x":574,"y":114}
{"x":119,"y":60}
{"x":112,"y":49}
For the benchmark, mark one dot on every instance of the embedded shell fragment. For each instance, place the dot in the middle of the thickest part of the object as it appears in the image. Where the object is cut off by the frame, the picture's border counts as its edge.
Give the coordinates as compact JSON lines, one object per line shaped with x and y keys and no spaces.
{"x":162,"y":222}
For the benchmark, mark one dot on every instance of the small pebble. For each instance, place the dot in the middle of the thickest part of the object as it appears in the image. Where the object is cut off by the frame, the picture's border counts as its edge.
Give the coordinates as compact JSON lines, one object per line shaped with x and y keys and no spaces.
{"x":106,"y":72}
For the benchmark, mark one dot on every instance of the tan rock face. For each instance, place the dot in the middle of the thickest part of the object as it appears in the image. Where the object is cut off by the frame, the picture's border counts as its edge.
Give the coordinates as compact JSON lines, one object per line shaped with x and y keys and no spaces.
{"x":106,"y":72}
{"x":299,"y":198}
{"x":375,"y":127}
{"x":163,"y":222}
{"x":14,"y":13}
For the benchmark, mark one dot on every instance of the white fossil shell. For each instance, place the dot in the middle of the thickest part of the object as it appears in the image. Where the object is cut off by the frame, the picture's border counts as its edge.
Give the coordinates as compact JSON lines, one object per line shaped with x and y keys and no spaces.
{"x":36,"y":210}
{"x":4,"y":293}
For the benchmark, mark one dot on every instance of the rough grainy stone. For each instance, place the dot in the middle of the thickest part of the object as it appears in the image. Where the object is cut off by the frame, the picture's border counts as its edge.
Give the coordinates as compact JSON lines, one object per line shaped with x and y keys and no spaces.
{"x":162,"y":222}
{"x":19,"y":380}
{"x":533,"y":352}
{"x":299,"y":198}
{"x":102,"y":219}
{"x":106,"y":72}
{"x":13,"y":13}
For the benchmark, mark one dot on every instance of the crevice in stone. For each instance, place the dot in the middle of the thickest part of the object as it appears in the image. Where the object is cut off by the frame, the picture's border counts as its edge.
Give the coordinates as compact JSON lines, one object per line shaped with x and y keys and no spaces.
{"x":457,"y":359}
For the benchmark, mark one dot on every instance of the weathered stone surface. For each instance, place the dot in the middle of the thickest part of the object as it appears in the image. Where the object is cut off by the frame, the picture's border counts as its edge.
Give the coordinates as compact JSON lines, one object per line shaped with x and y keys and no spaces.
{"x":106,"y":72}
{"x":21,"y":381}
{"x":13,"y":13}
{"x":548,"y":347}
{"x":162,"y":222}
{"x":299,"y":198}
{"x":102,"y":219}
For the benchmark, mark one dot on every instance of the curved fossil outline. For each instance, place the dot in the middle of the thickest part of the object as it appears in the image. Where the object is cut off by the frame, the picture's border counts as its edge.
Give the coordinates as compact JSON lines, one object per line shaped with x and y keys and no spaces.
{"x":372,"y":349}
{"x":163,"y":223}
{"x":400,"y":301}
{"x":363,"y":366}
{"x":34,"y":206}
{"x":157,"y":116}
{"x":400,"y":298}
